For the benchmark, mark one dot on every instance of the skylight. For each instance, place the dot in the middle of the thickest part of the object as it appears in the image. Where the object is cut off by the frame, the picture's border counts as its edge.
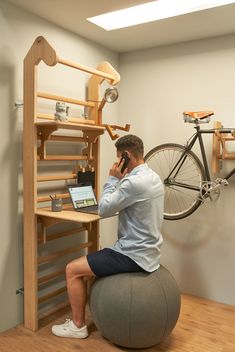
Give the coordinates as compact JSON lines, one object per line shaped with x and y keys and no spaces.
{"x":153,"y":11}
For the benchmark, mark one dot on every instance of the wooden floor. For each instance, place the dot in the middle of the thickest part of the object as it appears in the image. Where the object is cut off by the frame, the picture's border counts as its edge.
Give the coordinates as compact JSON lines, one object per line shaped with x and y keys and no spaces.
{"x":203,"y":326}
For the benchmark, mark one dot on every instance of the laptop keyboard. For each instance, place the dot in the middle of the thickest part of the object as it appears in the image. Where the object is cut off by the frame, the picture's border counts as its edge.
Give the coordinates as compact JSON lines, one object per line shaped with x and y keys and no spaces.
{"x":91,"y":209}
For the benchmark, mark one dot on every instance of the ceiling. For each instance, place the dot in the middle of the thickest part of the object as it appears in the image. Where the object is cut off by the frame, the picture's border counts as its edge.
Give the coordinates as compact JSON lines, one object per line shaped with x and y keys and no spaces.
{"x":72,"y":14}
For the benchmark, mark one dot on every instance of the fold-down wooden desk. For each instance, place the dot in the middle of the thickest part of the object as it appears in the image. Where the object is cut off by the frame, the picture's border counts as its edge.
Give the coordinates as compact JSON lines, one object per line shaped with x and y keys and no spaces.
{"x":68,"y":214}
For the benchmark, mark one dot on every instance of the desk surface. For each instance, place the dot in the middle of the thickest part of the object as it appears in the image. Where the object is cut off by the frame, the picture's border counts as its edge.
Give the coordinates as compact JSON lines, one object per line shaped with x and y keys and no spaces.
{"x":68,"y":214}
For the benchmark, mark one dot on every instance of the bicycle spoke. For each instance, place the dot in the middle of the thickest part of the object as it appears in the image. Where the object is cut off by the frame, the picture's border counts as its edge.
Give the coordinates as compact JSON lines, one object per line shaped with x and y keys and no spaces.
{"x":188,"y":171}
{"x":179,"y":197}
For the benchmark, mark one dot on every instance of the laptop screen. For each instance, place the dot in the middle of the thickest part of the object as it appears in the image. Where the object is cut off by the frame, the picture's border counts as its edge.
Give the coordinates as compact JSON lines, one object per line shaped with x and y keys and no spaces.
{"x":82,"y":196}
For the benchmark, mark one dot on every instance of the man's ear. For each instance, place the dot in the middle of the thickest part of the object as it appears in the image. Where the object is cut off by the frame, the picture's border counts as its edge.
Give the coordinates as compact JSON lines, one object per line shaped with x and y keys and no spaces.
{"x":128,"y":153}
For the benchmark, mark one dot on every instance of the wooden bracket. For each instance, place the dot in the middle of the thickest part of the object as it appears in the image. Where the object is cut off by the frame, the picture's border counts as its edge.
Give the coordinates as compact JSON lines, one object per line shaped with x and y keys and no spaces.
{"x":111,"y":128}
{"x":219,"y":151}
{"x":47,"y":222}
{"x":44,"y":224}
{"x":91,"y":137}
{"x":44,"y":132}
{"x":88,"y":226}
{"x":88,"y":150}
{"x":42,"y":233}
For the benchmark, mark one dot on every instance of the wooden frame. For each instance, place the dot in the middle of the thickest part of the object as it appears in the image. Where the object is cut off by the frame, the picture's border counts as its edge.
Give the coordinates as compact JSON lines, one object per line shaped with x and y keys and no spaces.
{"x":42,"y":131}
{"x":219,"y":148}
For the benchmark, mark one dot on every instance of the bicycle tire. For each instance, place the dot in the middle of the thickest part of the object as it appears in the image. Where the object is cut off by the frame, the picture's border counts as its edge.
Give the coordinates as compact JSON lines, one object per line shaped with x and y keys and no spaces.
{"x":178,"y":202}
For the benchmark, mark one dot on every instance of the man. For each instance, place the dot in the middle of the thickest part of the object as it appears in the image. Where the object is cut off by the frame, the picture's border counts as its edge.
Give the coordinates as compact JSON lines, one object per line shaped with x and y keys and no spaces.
{"x":137,"y":195}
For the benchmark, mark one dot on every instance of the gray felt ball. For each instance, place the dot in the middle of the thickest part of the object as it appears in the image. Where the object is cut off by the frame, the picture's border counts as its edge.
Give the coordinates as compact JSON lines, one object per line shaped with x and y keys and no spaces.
{"x":135,"y":310}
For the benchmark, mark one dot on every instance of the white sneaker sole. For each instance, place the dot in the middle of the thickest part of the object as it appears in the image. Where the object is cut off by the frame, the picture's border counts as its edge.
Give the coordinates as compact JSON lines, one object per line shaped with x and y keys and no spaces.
{"x":79,"y":335}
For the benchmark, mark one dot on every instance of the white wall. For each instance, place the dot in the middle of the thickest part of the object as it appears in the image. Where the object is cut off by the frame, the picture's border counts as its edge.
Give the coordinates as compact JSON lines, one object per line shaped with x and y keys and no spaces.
{"x":157,"y":86}
{"x":18,"y":31}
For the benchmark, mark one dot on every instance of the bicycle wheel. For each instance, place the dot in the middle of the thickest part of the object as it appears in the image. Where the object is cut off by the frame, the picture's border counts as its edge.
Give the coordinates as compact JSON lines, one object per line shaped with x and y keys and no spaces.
{"x":182,"y":183}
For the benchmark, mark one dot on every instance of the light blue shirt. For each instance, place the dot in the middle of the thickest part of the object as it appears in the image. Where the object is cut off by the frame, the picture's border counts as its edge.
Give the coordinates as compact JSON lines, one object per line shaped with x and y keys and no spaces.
{"x":138,"y":198}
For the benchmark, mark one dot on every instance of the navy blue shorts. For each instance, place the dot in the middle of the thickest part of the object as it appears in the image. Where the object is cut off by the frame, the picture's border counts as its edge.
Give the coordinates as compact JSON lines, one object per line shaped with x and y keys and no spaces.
{"x":109,"y":262}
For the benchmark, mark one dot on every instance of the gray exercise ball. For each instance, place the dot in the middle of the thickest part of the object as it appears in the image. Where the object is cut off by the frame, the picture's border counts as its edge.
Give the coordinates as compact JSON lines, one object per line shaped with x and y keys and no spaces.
{"x":135,"y":310}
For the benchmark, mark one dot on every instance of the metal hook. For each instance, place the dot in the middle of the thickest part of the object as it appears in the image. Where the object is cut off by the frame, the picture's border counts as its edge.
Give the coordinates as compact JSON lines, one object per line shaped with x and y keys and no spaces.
{"x":19,"y":104}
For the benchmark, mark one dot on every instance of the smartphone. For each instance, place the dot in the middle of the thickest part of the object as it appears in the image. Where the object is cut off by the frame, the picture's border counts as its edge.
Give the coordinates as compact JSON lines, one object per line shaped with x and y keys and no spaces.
{"x":127,"y":159}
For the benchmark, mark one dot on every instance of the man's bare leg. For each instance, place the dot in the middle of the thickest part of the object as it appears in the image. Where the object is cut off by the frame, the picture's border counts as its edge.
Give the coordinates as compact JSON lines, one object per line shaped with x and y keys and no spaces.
{"x":76,"y":271}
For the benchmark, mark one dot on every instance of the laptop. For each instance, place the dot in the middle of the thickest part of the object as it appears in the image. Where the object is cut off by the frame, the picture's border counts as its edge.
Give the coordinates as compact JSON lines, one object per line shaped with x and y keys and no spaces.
{"x":83,"y":198}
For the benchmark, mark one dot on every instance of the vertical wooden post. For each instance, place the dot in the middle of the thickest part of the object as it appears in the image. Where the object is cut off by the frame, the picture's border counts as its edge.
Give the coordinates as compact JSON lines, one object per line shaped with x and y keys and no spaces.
{"x":96,"y":115}
{"x":40,"y":50}
{"x":93,"y":94}
{"x":29,"y":170}
{"x":216,"y":148}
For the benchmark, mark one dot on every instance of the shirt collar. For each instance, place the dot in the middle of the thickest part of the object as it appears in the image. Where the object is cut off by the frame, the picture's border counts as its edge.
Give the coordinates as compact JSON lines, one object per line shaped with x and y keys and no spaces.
{"x":137,"y":168}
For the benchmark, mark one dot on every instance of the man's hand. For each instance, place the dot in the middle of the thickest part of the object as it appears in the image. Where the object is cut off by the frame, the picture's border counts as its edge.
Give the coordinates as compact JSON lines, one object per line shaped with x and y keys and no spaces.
{"x":116,"y":170}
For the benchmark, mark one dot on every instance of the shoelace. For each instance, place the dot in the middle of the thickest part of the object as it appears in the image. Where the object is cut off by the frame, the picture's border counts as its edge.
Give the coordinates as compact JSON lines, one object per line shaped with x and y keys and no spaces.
{"x":67,"y":322}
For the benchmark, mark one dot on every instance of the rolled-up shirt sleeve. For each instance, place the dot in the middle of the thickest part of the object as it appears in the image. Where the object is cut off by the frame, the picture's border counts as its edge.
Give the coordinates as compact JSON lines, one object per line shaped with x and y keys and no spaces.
{"x":116,"y":196}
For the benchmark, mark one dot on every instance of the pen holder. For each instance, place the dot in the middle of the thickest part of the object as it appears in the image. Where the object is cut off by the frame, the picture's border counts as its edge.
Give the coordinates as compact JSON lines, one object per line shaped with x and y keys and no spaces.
{"x":56,"y":204}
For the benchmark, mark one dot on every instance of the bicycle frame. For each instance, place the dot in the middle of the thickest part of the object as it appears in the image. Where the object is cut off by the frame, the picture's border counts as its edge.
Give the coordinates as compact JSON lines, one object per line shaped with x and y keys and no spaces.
{"x":170,"y":180}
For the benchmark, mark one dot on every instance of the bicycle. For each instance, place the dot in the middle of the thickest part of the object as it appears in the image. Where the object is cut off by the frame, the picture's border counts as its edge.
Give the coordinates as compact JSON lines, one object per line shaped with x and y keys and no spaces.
{"x":187,"y":180}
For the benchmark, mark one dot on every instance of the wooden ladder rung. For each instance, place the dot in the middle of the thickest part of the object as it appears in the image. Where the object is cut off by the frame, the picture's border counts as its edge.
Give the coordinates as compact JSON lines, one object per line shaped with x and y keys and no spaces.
{"x":44,"y":279}
{"x":227,"y":156}
{"x":70,"y":119}
{"x":51,"y":257}
{"x":47,"y":198}
{"x":61,"y":177}
{"x":64,"y":157}
{"x":228,"y":138}
{"x":51,"y":311}
{"x":52,"y":294}
{"x":50,"y":96}
{"x":64,"y":138}
{"x":86,"y":69}
{"x":66,"y":233}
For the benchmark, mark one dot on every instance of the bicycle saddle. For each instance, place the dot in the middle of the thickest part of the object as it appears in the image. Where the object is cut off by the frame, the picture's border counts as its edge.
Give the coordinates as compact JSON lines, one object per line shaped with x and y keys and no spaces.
{"x":198,"y":114}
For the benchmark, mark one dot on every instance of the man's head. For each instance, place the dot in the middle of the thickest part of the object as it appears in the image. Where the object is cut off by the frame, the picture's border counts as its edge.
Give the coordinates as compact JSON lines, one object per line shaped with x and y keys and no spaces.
{"x":132,"y":144}
{"x":134,"y":147}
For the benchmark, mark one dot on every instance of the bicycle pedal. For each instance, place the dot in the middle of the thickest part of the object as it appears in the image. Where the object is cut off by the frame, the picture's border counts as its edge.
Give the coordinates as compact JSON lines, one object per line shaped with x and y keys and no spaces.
{"x":222,"y":181}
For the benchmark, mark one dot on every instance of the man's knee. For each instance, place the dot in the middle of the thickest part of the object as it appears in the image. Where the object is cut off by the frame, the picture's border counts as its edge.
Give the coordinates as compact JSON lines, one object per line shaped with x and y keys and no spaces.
{"x":72,"y":270}
{"x":69,"y":269}
{"x":75,"y":268}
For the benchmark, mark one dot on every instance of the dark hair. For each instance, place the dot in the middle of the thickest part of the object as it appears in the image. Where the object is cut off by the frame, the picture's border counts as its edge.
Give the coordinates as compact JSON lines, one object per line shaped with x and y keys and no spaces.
{"x":131,"y":143}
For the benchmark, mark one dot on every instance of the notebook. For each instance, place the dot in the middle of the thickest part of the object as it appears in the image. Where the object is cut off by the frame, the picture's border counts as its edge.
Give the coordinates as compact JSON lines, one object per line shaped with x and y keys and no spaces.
{"x":83,"y":199}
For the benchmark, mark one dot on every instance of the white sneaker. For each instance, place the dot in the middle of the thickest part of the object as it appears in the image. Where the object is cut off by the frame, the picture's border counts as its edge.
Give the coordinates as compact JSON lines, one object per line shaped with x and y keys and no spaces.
{"x":69,"y":329}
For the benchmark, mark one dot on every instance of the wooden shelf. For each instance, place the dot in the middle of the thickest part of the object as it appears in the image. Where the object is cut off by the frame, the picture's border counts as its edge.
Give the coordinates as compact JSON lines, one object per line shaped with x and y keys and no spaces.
{"x":56,"y":125}
{"x":68,"y":215}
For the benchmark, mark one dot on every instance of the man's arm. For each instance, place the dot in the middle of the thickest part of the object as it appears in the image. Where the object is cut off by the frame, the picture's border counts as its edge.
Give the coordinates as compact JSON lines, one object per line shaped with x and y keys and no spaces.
{"x":116,"y":196}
